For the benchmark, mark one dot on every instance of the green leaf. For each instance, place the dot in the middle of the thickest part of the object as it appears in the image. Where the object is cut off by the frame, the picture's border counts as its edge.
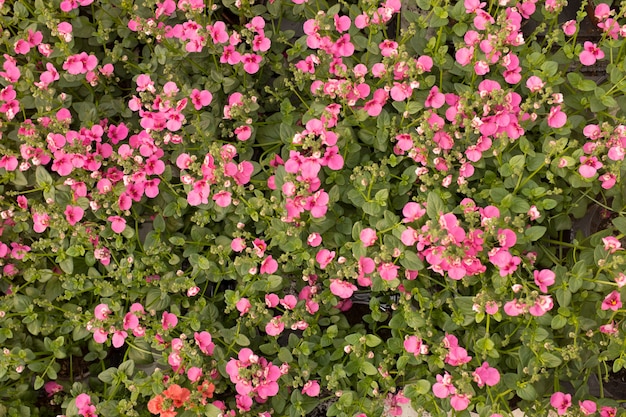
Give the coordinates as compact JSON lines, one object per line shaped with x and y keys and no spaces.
{"x":368,"y":369}
{"x":620,"y":224}
{"x":39,"y":381}
{"x":550,"y":360}
{"x":411,"y":261}
{"x":107,"y":376}
{"x":242,"y":340}
{"x":42,"y":177}
{"x":372,"y":340}
{"x":558,"y":322}
{"x":434,"y":205}
{"x":535,"y":233}
{"x":527,"y":392}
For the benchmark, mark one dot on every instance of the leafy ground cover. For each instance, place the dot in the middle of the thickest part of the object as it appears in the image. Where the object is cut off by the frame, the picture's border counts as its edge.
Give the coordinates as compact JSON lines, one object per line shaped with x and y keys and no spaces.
{"x":291,"y":207}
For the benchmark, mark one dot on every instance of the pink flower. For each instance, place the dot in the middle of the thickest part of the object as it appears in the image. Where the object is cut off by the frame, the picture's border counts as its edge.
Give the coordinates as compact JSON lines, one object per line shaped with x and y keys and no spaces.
{"x":412,"y":211}
{"x":534,"y":84}
{"x":118,"y":224}
{"x":342,"y":289}
{"x":606,"y":411}
{"x":443,"y":388}
{"x":238,"y":244}
{"x":314,"y":239}
{"x":590,"y":53}
{"x":368,"y":237}
{"x":514,"y":308}
{"x":243,"y":306}
{"x":222,"y":198}
{"x":587,"y":407}
{"x":269,"y":265}
{"x":457,"y":356}
{"x":251,"y":63}
{"x":168,"y":320}
{"x":52,"y":387}
{"x":612,"y":301}
{"x":543,"y":304}
{"x":73,"y":214}
{"x":611,"y":244}
{"x":544,"y":279}
{"x":194,"y":373}
{"x":388,"y":271}
{"x":118,"y":338}
{"x":460,"y":401}
{"x":415,"y":345}
{"x":311,"y":388}
{"x":102,"y":311}
{"x":569,"y":27}
{"x":589,"y":166}
{"x":556,"y":118}
{"x":131,"y":321}
{"x":275,"y":326}
{"x":324,"y":257}
{"x":100,"y":335}
{"x":243,"y":133}
{"x":561,"y":402}
{"x":204,"y":342}
{"x":41,"y":221}
{"x":486,"y":375}
{"x":201,"y":99}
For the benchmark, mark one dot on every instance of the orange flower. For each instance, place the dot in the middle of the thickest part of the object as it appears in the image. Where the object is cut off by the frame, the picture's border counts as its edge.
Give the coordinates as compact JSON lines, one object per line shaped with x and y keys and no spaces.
{"x":206,"y":389}
{"x":177,"y":394}
{"x":155,"y":405}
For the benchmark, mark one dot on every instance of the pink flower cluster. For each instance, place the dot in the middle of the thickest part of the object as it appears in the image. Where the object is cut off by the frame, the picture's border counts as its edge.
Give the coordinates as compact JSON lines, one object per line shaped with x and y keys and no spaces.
{"x":254,"y":378}
{"x":445,"y":388}
{"x":195,"y":37}
{"x":85,"y":407}
{"x":451,"y":250}
{"x":605,"y":148}
{"x":301,"y":187}
{"x":102,"y":326}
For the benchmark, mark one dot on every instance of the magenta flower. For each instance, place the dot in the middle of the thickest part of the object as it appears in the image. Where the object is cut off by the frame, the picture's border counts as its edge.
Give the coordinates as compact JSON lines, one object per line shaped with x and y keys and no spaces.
{"x":589,"y":166}
{"x":169,"y":320}
{"x":457,"y":356}
{"x":41,"y":221}
{"x":251,"y":63}
{"x":612,"y":301}
{"x":204,"y":342}
{"x":486,"y":375}
{"x":556,"y":118}
{"x":415,"y":345}
{"x":73,"y":214}
{"x":544,"y":279}
{"x":587,"y":407}
{"x":590,"y":54}
{"x":561,"y":402}
{"x":118,"y":224}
